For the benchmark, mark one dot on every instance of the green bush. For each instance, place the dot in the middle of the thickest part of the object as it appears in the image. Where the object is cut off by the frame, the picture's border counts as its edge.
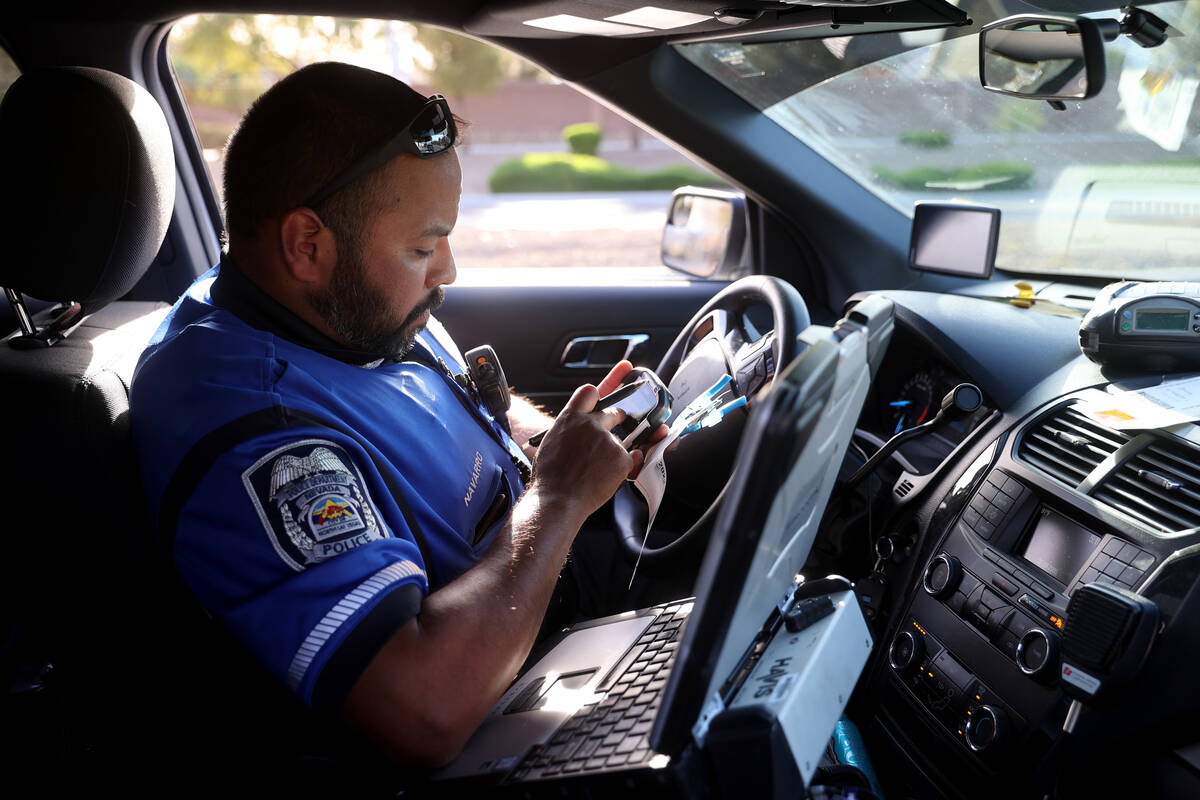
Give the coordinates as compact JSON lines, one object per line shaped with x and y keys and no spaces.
{"x":1019,"y":117}
{"x":929,"y":139}
{"x":573,"y":172}
{"x":583,"y":138}
{"x":996,"y":174}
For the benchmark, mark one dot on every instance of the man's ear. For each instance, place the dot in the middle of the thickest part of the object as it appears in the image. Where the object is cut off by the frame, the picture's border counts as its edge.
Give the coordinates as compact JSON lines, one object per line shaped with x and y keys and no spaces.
{"x":309,"y":251}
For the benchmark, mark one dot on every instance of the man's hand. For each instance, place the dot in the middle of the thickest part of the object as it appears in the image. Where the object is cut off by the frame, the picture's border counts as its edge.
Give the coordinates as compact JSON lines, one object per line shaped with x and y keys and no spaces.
{"x":435,"y":679}
{"x":580,"y":459}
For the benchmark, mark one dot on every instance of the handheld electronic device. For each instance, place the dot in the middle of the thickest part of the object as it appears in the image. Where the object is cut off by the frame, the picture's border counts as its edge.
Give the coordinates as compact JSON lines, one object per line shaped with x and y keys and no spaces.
{"x":1150,"y":327}
{"x":646,"y":401}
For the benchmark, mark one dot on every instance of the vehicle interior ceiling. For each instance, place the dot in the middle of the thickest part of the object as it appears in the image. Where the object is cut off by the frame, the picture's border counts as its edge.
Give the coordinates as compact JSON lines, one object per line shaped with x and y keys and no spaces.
{"x":819,"y":229}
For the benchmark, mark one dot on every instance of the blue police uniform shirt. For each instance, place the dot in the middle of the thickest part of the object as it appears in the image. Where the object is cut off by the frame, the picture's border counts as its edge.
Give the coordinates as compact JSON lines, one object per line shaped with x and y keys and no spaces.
{"x":313,"y":495}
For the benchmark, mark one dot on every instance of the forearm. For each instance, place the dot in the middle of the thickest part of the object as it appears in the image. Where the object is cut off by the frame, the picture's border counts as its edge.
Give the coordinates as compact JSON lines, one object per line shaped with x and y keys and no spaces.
{"x":524,"y":420}
{"x":436,"y":678}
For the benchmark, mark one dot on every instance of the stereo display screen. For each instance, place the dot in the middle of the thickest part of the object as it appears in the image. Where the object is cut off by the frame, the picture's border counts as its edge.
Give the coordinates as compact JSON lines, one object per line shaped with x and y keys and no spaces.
{"x":1059,"y":546}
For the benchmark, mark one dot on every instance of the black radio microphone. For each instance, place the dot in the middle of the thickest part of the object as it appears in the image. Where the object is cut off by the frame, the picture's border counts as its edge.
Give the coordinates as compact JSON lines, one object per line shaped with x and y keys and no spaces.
{"x":1106,"y":639}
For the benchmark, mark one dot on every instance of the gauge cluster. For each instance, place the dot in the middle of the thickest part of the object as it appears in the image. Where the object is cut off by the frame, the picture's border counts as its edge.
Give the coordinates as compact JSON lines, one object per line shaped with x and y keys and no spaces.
{"x":908,"y":392}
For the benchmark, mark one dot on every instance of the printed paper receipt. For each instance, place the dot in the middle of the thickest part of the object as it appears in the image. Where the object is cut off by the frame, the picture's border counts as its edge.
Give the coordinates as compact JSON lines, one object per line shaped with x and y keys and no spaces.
{"x":1172,"y":403}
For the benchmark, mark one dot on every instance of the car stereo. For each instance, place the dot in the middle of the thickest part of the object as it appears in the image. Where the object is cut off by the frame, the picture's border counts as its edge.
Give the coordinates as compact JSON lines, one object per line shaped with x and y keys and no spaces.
{"x":979,"y":646}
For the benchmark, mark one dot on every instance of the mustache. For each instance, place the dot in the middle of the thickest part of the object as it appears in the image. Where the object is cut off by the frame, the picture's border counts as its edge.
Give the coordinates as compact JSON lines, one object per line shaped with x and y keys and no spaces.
{"x":430,"y":304}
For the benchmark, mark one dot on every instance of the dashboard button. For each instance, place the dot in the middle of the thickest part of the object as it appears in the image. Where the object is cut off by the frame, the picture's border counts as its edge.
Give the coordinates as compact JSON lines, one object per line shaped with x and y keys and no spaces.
{"x":1114,"y":569}
{"x":1003,"y":502}
{"x":942,"y":576}
{"x":1131,"y":576}
{"x":1003,"y":584}
{"x":1037,"y":654}
{"x":1013,"y":488}
{"x":993,"y":515}
{"x":996,"y":622}
{"x":986,"y":727}
{"x":1143,"y":561}
{"x":1022,"y":577}
{"x":1129,"y":552}
{"x":1090,"y":575}
{"x":988,"y":491}
{"x":957,"y":602}
{"x":971,"y":517}
{"x":985,"y":529}
{"x":1101,"y":561}
{"x":1112,"y":547}
{"x":1041,"y":591}
{"x":991,"y":600}
{"x":954,"y":672}
{"x":906,"y":652}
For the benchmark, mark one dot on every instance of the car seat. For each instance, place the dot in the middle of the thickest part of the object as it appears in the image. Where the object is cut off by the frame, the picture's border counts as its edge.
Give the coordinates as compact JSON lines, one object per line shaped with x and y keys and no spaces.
{"x":111,"y":673}
{"x":89,"y":186}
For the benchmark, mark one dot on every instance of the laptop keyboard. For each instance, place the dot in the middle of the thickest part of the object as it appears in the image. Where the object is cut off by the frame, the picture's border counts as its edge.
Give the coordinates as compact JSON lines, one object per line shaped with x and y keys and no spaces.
{"x":613,"y":732}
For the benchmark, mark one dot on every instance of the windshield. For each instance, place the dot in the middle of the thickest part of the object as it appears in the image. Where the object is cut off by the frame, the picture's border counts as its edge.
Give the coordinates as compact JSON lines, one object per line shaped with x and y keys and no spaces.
{"x":1109,"y":187}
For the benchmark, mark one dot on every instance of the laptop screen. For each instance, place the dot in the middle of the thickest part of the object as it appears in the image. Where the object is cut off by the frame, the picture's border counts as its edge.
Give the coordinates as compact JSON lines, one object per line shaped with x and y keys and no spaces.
{"x":788,"y":459}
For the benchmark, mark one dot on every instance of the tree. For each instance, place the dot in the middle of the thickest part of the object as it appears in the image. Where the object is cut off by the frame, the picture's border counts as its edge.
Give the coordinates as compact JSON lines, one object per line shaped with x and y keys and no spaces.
{"x":228,"y":59}
{"x":461,"y":66}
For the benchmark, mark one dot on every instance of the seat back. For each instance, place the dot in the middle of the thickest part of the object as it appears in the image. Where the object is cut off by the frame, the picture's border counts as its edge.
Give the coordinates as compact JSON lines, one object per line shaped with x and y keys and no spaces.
{"x":90,"y":185}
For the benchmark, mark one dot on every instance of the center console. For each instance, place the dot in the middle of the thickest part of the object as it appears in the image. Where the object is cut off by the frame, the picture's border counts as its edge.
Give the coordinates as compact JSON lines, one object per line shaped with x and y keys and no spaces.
{"x":969,"y":688}
{"x":980,"y":645}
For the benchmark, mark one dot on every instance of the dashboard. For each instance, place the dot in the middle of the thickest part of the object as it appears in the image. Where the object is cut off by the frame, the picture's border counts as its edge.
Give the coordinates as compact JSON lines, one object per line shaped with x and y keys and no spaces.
{"x":1018,"y":507}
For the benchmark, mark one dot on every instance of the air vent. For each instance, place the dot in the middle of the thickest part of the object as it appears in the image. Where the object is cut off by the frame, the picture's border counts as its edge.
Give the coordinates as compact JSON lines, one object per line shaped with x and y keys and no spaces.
{"x":903,"y":488}
{"x":1067,"y":445}
{"x":1160,"y":486}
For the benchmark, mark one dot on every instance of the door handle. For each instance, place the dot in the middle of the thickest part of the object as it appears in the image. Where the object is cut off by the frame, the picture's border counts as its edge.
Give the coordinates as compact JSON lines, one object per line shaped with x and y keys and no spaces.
{"x":595,"y":352}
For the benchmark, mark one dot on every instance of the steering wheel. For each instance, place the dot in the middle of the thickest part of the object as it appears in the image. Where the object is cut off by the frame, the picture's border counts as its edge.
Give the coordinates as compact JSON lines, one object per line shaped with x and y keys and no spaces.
{"x":719,"y":340}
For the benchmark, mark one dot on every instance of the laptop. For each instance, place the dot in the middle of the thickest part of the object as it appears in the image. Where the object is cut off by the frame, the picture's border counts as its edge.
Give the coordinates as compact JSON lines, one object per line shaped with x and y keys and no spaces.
{"x":627,"y":696}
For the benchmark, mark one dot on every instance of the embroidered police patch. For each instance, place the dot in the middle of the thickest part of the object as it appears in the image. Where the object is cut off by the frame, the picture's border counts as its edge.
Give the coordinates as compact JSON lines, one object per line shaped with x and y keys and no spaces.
{"x":310,"y":498}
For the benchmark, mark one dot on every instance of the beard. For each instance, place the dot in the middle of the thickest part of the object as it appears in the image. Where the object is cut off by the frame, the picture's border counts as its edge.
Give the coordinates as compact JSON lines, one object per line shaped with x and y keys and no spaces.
{"x":359,"y":315}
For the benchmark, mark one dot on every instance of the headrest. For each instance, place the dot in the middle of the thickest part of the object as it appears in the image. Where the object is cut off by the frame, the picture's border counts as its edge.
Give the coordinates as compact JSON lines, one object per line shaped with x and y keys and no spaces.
{"x":89,"y":184}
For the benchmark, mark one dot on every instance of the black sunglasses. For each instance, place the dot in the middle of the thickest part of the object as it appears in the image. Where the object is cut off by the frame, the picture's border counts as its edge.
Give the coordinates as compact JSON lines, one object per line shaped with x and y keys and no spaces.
{"x":430,"y":132}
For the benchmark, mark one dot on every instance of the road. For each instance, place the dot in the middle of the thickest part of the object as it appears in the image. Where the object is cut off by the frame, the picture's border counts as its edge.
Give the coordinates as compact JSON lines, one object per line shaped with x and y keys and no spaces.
{"x":595,"y":229}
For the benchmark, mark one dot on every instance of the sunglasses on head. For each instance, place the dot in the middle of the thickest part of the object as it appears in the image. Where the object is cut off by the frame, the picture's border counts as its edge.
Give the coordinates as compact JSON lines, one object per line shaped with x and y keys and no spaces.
{"x":430,"y":132}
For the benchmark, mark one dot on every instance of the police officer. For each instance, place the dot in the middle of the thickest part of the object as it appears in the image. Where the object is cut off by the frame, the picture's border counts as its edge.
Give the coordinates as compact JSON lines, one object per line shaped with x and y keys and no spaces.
{"x":333,"y":496}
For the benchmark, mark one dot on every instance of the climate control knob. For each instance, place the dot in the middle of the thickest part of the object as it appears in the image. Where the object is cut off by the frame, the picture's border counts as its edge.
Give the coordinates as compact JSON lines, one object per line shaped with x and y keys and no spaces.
{"x":1037,"y":654}
{"x":986,"y":727}
{"x":906,"y":652}
{"x":942,"y":576}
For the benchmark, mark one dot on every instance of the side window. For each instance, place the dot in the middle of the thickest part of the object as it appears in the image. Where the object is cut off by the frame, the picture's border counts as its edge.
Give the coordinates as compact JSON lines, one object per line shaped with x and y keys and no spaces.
{"x":551,"y":179}
{"x":8,"y":71}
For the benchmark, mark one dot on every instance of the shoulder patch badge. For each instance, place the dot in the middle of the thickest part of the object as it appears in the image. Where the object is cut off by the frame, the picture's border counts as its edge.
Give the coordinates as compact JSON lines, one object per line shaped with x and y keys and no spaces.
{"x":310,"y":498}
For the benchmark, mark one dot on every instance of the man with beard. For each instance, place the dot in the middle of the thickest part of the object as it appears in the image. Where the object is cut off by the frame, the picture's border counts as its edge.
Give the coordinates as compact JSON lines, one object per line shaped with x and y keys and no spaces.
{"x":332,"y":495}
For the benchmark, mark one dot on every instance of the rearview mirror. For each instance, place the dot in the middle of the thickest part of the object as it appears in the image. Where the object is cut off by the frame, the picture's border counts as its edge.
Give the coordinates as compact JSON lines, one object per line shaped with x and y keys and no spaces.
{"x":705,"y":234}
{"x":1042,"y":58}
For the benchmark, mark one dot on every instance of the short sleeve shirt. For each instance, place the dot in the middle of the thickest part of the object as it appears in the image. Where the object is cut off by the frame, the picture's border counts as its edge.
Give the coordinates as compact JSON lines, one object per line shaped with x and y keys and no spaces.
{"x":311,"y":498}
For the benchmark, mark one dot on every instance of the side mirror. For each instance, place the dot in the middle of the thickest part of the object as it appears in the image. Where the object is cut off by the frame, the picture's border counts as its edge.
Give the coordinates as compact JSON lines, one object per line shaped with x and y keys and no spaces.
{"x":705,"y":234}
{"x":1042,"y":58}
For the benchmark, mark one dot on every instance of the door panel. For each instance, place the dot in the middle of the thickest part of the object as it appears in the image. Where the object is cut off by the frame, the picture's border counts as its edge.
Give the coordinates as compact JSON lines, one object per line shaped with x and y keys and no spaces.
{"x":530,"y":326}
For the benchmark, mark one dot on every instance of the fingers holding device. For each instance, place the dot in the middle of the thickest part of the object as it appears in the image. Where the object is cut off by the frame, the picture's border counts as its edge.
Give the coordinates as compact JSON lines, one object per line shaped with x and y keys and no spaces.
{"x":640,"y":395}
{"x":646,"y":402}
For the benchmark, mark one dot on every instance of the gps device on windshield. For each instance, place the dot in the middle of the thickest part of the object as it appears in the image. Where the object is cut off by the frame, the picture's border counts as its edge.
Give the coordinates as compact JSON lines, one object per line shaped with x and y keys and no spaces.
{"x":1149,"y":327}
{"x":954,"y":239}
